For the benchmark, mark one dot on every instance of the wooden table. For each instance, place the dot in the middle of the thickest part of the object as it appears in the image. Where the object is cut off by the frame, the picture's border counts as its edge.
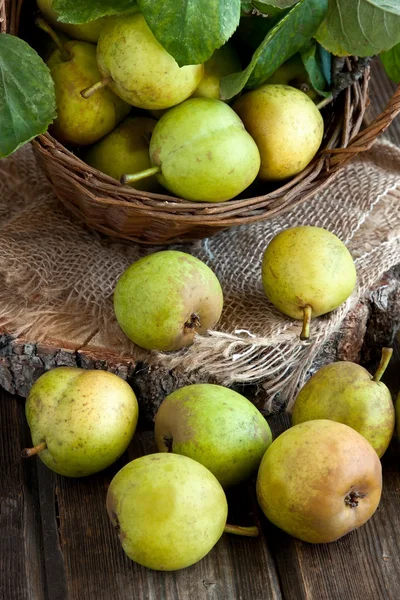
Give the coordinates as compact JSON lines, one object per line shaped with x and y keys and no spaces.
{"x":57,"y":543}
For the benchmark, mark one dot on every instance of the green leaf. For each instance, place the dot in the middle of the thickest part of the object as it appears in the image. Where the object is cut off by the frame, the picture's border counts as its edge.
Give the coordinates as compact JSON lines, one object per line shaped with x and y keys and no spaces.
{"x":326,"y":63}
{"x":82,"y":11}
{"x":391,"y":62}
{"x":286,"y":38}
{"x":191,"y":30}
{"x":267,"y":8}
{"x":388,"y":5}
{"x":360,"y":27}
{"x":27,"y":97}
{"x":310,"y":57}
{"x":277,"y":3}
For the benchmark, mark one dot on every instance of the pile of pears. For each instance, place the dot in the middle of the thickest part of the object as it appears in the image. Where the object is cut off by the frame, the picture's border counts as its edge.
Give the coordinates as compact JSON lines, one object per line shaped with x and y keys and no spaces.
{"x":130,"y":111}
{"x":317,"y":481}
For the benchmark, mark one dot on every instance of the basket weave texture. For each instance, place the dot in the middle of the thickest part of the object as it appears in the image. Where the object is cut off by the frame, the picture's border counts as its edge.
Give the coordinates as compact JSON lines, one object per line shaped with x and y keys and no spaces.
{"x":122,"y":212}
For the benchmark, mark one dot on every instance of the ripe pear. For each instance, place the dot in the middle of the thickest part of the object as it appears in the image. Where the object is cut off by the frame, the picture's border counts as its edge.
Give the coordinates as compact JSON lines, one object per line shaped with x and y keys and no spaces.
{"x":319,"y":480}
{"x":347,"y":393}
{"x":293,"y":73}
{"x":202,"y":152}
{"x":81,"y":122}
{"x":216,"y":426}
{"x":139,"y":69}
{"x":88,"y":32}
{"x":164,"y":299}
{"x":80,"y":421}
{"x":169,"y":511}
{"x":306,"y":272}
{"x":223,"y":62}
{"x":124,"y":150}
{"x":286,"y":126}
{"x":397,"y":413}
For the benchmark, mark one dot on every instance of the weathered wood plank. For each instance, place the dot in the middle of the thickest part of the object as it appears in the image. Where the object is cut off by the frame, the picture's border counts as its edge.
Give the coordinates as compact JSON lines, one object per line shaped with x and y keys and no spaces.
{"x":21,"y":549}
{"x":96,"y":566}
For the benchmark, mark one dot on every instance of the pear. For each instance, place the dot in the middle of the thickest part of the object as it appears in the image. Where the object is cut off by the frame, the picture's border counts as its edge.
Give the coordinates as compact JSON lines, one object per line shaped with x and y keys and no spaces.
{"x":88,"y":32}
{"x":306,"y":272}
{"x":223,"y":62}
{"x":164,"y":299}
{"x":319,"y":480}
{"x":81,"y":122}
{"x":347,"y":393}
{"x":202,"y":152}
{"x":216,"y":426}
{"x":293,"y":73}
{"x":138,"y":68}
{"x":169,"y":511}
{"x":286,"y":126}
{"x":125,"y":149}
{"x":80,"y":421}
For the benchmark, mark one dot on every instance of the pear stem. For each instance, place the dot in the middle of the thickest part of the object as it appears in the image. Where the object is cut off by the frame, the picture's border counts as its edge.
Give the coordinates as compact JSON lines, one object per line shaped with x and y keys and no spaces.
{"x":88,"y":92}
{"x":324,"y":102}
{"x":252,"y":531}
{"x":305,"y":332}
{"x":42,"y":24}
{"x":141,"y":175}
{"x":385,"y":359}
{"x":27,"y":452}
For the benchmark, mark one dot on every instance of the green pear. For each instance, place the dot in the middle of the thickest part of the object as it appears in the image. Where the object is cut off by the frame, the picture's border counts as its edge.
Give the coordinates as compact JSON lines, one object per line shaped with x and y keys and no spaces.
{"x":223,"y":62}
{"x":202,"y":152}
{"x":124,"y":150}
{"x":138,"y":68}
{"x":347,"y":393}
{"x":286,"y":126}
{"x":80,"y":421}
{"x":397,"y":415}
{"x":319,"y":480}
{"x":293,"y":73}
{"x":163,"y":300}
{"x":168,"y":510}
{"x":88,"y":32}
{"x":81,"y":122}
{"x":214,"y":425}
{"x":306,"y":272}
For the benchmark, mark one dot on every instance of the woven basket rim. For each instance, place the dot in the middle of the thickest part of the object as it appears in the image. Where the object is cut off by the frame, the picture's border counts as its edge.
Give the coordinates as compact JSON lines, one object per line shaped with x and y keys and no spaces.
{"x":91,"y":189}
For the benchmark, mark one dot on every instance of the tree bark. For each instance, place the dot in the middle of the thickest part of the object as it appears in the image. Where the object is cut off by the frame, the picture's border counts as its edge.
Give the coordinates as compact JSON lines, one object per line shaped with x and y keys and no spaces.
{"x":370,"y":326}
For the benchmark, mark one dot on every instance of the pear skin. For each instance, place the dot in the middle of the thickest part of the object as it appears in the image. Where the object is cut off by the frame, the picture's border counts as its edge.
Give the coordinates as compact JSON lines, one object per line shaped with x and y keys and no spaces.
{"x":223,"y":62}
{"x":346,"y":392}
{"x":143,"y":73}
{"x":307,"y":267}
{"x":125,"y":150}
{"x":286,"y":126}
{"x":216,"y":426}
{"x":86,"y":419}
{"x":79,"y":121}
{"x":87,"y":32}
{"x":168,"y":510}
{"x":319,"y":480}
{"x":203,"y":151}
{"x":164,"y":299}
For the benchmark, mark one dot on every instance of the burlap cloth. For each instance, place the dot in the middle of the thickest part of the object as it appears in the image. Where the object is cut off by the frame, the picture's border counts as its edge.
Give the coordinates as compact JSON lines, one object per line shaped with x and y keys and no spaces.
{"x":57,"y":278}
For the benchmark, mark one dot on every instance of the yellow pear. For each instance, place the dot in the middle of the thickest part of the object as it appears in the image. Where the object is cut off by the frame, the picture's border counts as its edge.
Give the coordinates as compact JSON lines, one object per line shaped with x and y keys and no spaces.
{"x":223,"y":62}
{"x":346,"y":392}
{"x":137,"y":68}
{"x":319,"y":480}
{"x":88,"y":32}
{"x":126,"y":149}
{"x":286,"y":126}
{"x":306,"y":272}
{"x":81,"y":122}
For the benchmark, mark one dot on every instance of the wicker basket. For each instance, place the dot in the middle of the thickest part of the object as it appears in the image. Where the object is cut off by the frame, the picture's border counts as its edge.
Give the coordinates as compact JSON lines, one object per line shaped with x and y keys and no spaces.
{"x":119,"y":211}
